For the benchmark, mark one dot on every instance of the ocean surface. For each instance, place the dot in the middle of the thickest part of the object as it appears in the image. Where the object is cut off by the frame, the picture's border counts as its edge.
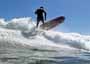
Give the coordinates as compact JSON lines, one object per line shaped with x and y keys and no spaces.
{"x":21,"y":43}
{"x":38,"y":56}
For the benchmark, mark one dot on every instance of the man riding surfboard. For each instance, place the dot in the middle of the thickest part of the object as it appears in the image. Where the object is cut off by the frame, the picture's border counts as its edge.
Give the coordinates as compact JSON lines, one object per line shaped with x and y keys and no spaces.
{"x":41,"y":15}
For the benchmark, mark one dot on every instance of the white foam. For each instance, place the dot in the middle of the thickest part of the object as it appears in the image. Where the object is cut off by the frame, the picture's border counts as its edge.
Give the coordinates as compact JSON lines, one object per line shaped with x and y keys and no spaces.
{"x":11,"y":35}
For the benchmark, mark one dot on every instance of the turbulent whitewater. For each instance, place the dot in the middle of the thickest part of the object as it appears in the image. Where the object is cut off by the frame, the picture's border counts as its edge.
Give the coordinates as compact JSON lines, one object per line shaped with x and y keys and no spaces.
{"x":22,"y":43}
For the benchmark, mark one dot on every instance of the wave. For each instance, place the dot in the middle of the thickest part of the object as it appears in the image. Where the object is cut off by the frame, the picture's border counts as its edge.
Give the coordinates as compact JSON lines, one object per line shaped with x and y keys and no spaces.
{"x":21,"y":33}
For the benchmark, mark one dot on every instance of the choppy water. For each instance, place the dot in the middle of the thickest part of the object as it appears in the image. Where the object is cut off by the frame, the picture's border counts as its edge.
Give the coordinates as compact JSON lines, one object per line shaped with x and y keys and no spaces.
{"x":39,"y":56}
{"x":20,"y":43}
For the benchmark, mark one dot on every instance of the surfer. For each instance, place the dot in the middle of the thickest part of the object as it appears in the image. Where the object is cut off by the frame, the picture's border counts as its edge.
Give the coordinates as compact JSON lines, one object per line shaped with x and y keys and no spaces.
{"x":41,"y":15}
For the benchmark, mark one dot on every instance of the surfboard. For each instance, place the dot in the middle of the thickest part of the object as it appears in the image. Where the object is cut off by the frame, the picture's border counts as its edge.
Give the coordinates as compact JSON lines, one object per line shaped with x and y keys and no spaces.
{"x":52,"y":23}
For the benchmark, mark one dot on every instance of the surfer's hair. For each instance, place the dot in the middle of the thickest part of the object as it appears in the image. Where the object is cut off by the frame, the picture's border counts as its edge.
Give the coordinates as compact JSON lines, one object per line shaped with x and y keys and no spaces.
{"x":41,"y":7}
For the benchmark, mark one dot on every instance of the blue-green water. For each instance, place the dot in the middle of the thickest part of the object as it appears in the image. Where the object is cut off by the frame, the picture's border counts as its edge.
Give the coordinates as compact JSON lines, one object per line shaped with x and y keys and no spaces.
{"x":39,"y":56}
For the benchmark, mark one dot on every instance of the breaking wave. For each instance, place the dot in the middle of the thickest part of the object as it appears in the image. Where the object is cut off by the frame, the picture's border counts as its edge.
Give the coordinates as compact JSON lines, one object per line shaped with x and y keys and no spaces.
{"x":21,"y":33}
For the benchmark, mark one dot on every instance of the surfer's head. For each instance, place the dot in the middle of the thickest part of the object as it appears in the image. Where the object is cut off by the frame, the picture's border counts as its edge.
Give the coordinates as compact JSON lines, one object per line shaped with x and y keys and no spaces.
{"x":41,"y":7}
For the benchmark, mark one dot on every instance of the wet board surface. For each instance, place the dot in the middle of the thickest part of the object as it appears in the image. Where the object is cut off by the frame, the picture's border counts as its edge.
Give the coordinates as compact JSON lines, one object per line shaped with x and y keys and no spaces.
{"x":52,"y":23}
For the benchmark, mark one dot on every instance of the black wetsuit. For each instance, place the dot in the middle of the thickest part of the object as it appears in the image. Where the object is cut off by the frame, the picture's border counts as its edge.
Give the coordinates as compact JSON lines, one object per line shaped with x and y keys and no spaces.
{"x":40,"y":16}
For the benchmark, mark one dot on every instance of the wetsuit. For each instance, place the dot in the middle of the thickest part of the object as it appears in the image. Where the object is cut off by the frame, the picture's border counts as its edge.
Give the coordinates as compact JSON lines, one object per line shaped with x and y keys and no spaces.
{"x":41,"y":16}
